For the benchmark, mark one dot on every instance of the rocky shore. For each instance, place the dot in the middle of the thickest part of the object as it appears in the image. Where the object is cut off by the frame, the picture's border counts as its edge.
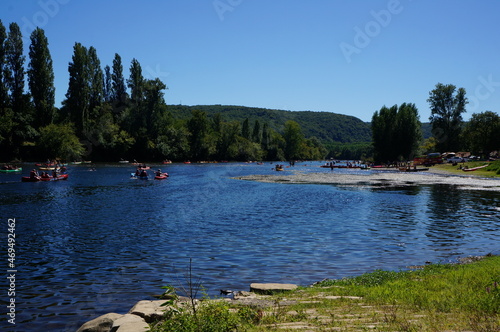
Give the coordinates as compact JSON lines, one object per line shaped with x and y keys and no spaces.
{"x":147,"y":311}
{"x":380,"y":179}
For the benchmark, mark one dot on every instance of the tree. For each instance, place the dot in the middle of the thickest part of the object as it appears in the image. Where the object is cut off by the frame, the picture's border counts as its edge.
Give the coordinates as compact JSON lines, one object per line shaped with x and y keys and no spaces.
{"x":155,"y":105}
{"x":294,"y":139}
{"x":200,"y":144}
{"x":58,"y":141}
{"x":77,"y":100}
{"x":21,"y":114}
{"x":117,"y":81}
{"x":4,"y":96}
{"x":383,"y":133}
{"x":136,"y":82}
{"x":256,"y":137}
{"x":245,"y":129}
{"x":108,"y":86}
{"x":482,"y":133}
{"x":409,"y":131}
{"x":41,"y":79}
{"x":447,"y":105}
{"x":396,"y":133}
{"x":96,"y":82}
{"x":14,"y":73}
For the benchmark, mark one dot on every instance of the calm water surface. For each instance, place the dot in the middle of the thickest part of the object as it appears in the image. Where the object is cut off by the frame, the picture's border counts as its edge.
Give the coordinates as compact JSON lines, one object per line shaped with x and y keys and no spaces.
{"x":101,"y":241}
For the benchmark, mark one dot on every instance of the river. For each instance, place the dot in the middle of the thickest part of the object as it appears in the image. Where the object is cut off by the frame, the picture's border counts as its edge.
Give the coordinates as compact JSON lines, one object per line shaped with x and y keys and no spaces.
{"x":101,"y":241}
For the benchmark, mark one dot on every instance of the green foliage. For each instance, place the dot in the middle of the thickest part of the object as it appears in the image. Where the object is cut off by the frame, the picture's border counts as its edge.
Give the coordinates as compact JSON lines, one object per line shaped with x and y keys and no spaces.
{"x":350,"y":151}
{"x":447,"y":105}
{"x":211,"y":316}
{"x":41,"y":79}
{"x":494,"y":167}
{"x":469,"y":287}
{"x":482,"y":133}
{"x":396,"y":132}
{"x":60,"y":142}
{"x":326,"y":126}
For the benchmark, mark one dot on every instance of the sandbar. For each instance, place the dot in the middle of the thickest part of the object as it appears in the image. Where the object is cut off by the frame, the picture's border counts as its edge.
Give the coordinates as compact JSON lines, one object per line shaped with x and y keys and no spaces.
{"x":379,"y":179}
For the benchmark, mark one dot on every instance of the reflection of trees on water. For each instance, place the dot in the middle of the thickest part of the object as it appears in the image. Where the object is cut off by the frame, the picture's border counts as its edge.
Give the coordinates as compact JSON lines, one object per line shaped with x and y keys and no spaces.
{"x":451,"y":211}
{"x":445,"y":220}
{"x":394,"y":216}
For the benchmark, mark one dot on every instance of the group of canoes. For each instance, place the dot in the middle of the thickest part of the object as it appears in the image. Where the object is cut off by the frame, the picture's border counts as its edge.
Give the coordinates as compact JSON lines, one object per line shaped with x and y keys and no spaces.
{"x":34,"y":176}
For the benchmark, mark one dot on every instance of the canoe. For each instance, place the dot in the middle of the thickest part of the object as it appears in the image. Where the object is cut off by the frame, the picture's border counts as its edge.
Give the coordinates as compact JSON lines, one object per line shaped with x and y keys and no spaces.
{"x":163,"y":176}
{"x":473,"y":168}
{"x":50,"y":178}
{"x":19,"y":169}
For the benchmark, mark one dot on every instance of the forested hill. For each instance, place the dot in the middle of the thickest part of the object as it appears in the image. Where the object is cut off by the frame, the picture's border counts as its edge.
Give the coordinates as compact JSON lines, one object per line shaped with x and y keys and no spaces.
{"x":326,"y":126}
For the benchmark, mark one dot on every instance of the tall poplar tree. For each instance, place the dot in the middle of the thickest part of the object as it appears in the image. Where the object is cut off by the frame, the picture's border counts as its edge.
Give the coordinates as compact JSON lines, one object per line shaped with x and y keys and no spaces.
{"x":96,"y":78}
{"x":41,"y":79}
{"x":15,"y":68}
{"x":136,"y":82}
{"x":4,"y":96}
{"x":77,"y":100}
{"x":117,"y":80}
{"x":447,"y":105}
{"x":108,"y":86}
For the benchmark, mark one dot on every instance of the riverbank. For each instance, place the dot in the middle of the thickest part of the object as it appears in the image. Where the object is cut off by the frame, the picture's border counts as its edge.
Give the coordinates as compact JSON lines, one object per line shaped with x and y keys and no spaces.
{"x":382,"y":178}
{"x":437,"y":297}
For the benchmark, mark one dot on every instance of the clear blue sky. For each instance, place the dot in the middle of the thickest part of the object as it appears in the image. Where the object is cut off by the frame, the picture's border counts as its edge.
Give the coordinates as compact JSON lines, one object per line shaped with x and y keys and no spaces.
{"x":347,"y":57}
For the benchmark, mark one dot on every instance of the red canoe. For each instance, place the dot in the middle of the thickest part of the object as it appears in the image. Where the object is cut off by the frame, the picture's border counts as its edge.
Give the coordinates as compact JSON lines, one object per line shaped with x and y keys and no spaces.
{"x":163,"y":176}
{"x":38,"y":179}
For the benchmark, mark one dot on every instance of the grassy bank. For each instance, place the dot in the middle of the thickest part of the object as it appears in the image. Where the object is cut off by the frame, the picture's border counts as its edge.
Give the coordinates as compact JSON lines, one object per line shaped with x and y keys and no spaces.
{"x":493,"y":169}
{"x":438,"y":297}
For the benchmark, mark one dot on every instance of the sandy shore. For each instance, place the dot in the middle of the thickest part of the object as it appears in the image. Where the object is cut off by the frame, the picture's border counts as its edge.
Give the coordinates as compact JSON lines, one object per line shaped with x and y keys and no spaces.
{"x":380,"y":179}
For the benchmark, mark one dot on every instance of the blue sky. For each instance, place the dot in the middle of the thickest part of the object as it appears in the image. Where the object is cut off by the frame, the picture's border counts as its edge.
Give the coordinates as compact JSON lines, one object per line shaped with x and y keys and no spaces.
{"x":347,"y":57}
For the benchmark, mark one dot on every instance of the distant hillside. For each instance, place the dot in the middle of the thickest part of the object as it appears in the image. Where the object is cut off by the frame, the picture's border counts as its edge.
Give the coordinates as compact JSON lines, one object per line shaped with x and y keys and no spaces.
{"x":328,"y":127}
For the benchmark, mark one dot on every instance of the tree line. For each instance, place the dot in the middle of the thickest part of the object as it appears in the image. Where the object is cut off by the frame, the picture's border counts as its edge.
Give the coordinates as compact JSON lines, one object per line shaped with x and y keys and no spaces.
{"x":397,"y":131}
{"x":107,"y":117}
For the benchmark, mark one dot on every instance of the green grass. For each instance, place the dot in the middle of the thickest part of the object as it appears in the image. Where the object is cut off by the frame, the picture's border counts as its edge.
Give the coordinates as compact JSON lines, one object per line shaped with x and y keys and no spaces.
{"x":447,"y":287}
{"x":435,"y":297}
{"x":493,"y":170}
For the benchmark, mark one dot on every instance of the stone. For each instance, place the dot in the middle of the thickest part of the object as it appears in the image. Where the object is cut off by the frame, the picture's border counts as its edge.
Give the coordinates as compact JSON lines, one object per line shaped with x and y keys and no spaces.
{"x":149,"y":310}
{"x":271,"y":288}
{"x":100,"y":324}
{"x":130,"y":323}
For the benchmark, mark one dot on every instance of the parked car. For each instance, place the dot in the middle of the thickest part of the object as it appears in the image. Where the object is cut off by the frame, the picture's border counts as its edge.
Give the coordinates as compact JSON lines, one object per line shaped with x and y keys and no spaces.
{"x":457,"y":160}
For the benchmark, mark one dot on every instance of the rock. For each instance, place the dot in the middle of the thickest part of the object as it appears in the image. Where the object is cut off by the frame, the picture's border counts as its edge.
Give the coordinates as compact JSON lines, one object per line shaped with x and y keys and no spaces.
{"x":149,"y":310}
{"x":271,"y":288}
{"x":100,"y":324}
{"x":129,"y":323}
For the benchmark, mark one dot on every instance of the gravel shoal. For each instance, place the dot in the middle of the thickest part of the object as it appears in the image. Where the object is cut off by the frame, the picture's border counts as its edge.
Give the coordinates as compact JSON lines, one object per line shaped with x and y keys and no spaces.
{"x":380,"y":179}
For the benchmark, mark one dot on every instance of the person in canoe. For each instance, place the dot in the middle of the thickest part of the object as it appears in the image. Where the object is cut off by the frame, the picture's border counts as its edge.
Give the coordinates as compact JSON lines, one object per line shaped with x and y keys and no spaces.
{"x":138,"y":171}
{"x":45,"y":175}
{"x":158,"y":172}
{"x":144,"y":174}
{"x":34,"y":174}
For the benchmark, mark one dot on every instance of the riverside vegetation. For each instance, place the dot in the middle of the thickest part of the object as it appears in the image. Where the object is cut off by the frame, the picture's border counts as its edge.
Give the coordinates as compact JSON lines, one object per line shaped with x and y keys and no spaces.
{"x":434,"y":297}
